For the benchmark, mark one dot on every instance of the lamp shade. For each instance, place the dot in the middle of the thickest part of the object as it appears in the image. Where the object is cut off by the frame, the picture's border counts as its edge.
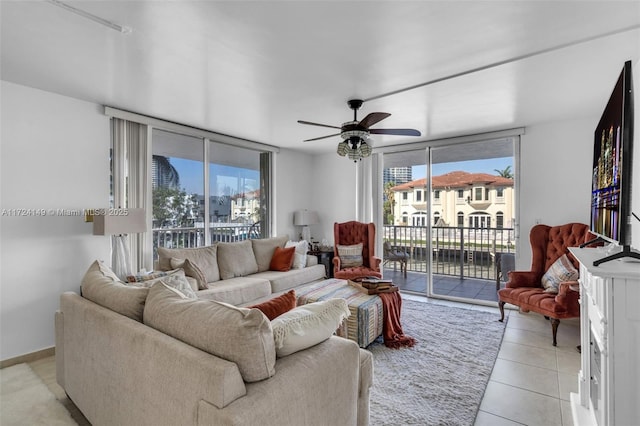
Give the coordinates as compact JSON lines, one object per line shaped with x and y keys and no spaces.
{"x":119,"y":222}
{"x":305,"y":217}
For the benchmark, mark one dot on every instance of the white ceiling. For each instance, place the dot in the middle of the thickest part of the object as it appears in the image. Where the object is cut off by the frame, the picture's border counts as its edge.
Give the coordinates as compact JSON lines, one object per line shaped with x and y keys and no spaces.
{"x":251,"y":69}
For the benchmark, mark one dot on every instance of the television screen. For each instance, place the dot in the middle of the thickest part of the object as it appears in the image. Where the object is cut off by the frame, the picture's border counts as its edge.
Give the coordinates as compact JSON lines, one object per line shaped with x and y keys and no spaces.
{"x":611,"y":174}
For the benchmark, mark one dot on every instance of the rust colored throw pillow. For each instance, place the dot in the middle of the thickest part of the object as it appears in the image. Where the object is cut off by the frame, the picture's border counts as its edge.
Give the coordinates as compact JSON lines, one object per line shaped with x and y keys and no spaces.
{"x":282,"y":259}
{"x":278,"y":305}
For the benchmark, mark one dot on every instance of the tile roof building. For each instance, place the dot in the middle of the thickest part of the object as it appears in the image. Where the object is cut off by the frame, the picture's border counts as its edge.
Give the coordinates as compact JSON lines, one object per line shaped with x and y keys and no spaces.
{"x":461,"y":199}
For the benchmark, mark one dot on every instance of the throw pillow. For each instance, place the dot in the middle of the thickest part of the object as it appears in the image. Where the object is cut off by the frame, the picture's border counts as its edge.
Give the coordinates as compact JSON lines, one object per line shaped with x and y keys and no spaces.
{"x":102,"y":286}
{"x":300,"y":258}
{"x":350,"y":256}
{"x":282,"y":259}
{"x":206,"y":258}
{"x":240,"y":335}
{"x":278,"y":305}
{"x":263,"y":250}
{"x":191,"y":270}
{"x":561,"y":270}
{"x":176,"y":279}
{"x":236,"y":259}
{"x":308,"y":325}
{"x":147,"y":277}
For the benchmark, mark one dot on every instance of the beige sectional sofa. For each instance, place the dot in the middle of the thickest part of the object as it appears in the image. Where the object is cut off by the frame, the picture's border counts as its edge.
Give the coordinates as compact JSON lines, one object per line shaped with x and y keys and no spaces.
{"x":238,"y":272}
{"x":135,"y":355}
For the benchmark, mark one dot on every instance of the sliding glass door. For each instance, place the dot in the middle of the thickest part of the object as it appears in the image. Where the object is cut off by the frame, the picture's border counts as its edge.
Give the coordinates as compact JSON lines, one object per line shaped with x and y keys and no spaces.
{"x":452,"y":209}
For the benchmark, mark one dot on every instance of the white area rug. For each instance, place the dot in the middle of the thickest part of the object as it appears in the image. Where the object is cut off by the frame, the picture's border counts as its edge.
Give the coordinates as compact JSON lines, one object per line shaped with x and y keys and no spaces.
{"x":442,"y":379}
{"x":26,"y":400}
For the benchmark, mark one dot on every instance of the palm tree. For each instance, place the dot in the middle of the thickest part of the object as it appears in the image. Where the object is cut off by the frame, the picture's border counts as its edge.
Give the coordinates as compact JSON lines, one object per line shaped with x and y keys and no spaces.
{"x":506,"y":173}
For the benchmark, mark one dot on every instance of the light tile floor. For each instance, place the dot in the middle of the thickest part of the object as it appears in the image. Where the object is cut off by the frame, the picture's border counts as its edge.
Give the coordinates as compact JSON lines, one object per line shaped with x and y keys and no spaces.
{"x":532,"y":379}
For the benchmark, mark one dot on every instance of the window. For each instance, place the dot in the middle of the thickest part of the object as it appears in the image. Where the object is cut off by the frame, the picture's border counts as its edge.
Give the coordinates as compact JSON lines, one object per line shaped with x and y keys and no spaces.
{"x":188,"y":213}
{"x":436,"y":218}
{"x":405,"y":196}
{"x":436,"y":195}
{"x":479,"y":220}
{"x":500,"y":220}
{"x":460,"y":219}
{"x":418,"y":195}
{"x":500,"y":192}
{"x":478,"y":194}
{"x":460,"y":194}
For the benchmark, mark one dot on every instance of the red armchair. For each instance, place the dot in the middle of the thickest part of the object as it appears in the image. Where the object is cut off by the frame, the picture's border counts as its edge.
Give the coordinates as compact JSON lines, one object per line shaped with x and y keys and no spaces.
{"x":351,"y":233}
{"x":525,"y":289}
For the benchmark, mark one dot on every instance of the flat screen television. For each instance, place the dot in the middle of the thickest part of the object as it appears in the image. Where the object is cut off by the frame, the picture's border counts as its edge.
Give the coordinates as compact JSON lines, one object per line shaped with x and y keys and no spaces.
{"x":611,"y":173}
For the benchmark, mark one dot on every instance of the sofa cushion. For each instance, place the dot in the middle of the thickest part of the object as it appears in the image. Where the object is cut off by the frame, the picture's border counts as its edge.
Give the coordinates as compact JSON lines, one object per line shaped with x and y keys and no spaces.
{"x":263,"y":249}
{"x":350,"y":256}
{"x":300,"y":259}
{"x":238,"y":291}
{"x":278,"y":305}
{"x":205,"y":258}
{"x":191,"y":270}
{"x":308,"y":325}
{"x":282,"y":259}
{"x":240,"y":335}
{"x":561,"y":270}
{"x":102,"y":286}
{"x":281,"y":281}
{"x":236,"y":259}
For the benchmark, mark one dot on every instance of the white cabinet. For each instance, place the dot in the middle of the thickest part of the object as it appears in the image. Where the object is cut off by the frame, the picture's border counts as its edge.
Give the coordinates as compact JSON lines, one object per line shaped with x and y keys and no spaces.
{"x":609,"y":378}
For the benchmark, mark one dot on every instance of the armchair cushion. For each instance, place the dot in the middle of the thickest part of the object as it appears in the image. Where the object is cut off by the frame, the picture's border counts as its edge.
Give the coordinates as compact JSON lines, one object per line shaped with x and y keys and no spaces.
{"x":561,"y":270}
{"x":350,"y":256}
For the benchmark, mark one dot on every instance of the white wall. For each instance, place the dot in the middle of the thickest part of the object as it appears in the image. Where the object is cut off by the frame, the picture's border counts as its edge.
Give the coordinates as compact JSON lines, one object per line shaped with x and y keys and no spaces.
{"x":54,"y":155}
{"x":555,"y":177}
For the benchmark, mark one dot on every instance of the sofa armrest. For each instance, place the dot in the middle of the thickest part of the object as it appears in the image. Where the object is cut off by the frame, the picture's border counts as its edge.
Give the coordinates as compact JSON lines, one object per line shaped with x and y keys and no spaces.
{"x":375,"y":262}
{"x":523,"y":279}
{"x":312,"y":260}
{"x":568,"y":297}
{"x":316,"y":386}
{"x":336,"y":263}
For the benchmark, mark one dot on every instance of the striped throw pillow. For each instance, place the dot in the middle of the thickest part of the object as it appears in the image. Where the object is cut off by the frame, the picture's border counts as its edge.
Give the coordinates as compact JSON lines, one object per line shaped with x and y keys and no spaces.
{"x":350,"y":256}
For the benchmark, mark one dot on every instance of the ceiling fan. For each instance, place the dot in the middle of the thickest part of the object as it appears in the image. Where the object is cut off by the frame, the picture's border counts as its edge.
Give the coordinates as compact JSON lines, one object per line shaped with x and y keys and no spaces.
{"x":356,"y":133}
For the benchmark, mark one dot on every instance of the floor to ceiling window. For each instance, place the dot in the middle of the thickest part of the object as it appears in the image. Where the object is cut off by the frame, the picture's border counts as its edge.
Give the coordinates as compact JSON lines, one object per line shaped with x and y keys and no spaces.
{"x":196,"y":203}
{"x":454,"y":215}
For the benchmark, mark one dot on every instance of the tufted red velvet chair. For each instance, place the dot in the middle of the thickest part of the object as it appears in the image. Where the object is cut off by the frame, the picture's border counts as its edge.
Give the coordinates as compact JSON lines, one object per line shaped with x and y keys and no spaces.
{"x":350,"y":233}
{"x":524,"y":288}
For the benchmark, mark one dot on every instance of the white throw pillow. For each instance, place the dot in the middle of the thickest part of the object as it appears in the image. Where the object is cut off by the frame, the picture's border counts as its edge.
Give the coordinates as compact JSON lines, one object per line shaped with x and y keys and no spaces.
{"x":562,"y":270}
{"x":308,"y":325}
{"x":300,"y":258}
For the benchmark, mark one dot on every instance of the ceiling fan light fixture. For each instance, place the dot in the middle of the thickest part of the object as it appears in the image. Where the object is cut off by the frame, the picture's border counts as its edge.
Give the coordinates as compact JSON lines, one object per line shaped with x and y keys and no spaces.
{"x":365,"y":149}
{"x":343,"y":148}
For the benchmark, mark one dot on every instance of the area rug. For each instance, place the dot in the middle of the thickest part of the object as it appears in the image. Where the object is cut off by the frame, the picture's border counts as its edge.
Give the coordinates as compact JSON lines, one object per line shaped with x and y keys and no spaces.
{"x":26,"y":400}
{"x":442,"y":379}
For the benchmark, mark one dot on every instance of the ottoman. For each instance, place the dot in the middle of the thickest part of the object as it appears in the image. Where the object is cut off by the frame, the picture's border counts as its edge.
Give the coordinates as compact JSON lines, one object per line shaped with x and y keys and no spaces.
{"x":364,"y":324}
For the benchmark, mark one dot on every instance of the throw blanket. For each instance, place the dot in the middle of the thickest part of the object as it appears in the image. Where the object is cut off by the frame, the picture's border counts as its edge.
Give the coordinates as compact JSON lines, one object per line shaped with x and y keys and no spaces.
{"x":392,"y":332}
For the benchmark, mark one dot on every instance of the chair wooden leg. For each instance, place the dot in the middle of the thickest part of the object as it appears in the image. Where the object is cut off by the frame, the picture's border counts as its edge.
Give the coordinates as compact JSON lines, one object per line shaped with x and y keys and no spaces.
{"x":554,"y":329}
{"x":501,"y":306}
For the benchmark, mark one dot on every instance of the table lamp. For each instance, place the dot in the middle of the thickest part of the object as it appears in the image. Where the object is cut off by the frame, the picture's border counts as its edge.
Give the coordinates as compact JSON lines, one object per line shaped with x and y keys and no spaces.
{"x":305,"y":218}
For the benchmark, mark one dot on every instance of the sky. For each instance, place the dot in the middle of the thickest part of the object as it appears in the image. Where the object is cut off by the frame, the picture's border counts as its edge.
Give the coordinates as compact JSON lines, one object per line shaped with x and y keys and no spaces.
{"x":191,"y":173}
{"x":475,"y":166}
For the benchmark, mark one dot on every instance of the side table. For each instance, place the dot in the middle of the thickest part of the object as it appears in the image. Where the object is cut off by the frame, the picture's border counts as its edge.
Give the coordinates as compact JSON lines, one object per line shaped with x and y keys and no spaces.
{"x":324,"y":258}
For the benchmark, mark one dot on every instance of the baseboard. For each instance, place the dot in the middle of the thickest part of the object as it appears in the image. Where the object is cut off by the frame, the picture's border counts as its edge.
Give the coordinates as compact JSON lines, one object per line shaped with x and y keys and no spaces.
{"x":30,"y":357}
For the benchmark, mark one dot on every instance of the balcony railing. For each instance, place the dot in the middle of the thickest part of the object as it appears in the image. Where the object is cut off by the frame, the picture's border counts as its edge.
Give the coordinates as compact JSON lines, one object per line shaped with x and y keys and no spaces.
{"x":463,"y":252}
{"x":456,"y":251}
{"x":189,"y":237}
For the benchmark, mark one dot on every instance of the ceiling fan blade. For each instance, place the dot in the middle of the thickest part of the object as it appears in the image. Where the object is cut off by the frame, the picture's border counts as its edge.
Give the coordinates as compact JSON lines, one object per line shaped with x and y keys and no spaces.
{"x":400,"y":132}
{"x":373,"y":118}
{"x":321,"y":137}
{"x":318,"y":124}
